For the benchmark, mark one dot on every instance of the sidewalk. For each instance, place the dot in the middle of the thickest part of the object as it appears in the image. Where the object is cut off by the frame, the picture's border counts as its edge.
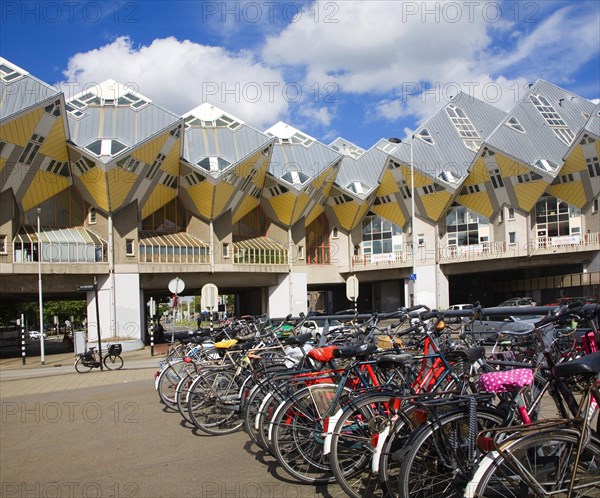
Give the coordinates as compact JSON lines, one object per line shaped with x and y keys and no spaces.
{"x":59,"y":373}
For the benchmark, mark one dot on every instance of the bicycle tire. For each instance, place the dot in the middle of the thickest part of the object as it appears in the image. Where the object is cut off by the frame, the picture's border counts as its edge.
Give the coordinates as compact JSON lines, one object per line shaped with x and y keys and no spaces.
{"x":181,"y":394}
{"x":548,"y":458}
{"x":297,"y":438}
{"x":113,"y":362}
{"x":434,"y":464}
{"x":213,"y":402}
{"x":168,"y":379}
{"x":80,"y":367}
{"x":352,"y":450}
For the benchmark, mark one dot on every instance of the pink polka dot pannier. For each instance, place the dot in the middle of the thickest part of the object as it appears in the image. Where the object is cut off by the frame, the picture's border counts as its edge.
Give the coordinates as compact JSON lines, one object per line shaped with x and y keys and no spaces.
{"x":505,"y":380}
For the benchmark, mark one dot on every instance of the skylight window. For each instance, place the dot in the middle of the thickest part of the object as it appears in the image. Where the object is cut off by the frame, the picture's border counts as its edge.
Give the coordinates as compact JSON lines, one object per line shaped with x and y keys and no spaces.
{"x":213,"y":164}
{"x":357,"y":187}
{"x":514,"y":124}
{"x":295,"y":177}
{"x":348,"y":149}
{"x":223,"y":121}
{"x":546,"y":165}
{"x":464,"y":127}
{"x":106,"y":147}
{"x":552,"y":118}
{"x":449,"y":177}
{"x":8,"y":75}
{"x":425,"y":136}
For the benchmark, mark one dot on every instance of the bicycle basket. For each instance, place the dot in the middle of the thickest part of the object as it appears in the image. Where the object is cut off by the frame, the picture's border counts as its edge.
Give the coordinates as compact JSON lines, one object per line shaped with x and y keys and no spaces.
{"x":115,"y":349}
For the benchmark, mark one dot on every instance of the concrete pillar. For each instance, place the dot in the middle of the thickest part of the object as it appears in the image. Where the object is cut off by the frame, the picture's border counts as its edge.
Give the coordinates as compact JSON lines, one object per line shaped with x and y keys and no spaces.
{"x":288,"y":296}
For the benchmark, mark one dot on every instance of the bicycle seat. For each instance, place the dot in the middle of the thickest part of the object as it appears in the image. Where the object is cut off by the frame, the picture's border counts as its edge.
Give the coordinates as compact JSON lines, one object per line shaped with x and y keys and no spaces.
{"x":361,"y":351}
{"x":468,"y":354}
{"x":389,"y":360}
{"x":294,"y":340}
{"x":589,"y":364}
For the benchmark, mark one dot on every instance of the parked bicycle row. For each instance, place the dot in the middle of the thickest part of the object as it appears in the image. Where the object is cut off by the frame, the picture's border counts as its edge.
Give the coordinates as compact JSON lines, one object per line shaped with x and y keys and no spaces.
{"x":404,"y":404}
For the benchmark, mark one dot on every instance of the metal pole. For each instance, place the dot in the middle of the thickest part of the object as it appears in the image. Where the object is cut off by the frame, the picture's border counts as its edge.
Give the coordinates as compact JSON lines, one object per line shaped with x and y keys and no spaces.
{"x":23,"y":339}
{"x":42,"y":342}
{"x":412,"y":214}
{"x":174,"y":303}
{"x":98,"y":321}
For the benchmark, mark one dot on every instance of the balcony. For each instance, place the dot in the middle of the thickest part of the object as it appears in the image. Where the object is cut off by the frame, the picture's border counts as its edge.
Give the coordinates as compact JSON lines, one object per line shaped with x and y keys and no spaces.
{"x":58,"y":245}
{"x":172,"y":248}
{"x":259,"y":251}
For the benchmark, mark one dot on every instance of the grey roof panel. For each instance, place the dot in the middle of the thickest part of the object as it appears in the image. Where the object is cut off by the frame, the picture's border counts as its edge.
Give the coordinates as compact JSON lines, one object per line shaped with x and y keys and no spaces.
{"x":23,"y":93}
{"x":539,"y":142}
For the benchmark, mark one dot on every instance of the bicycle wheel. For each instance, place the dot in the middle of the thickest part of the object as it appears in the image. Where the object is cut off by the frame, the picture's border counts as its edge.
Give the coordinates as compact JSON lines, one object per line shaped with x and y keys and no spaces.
{"x":436,"y":462}
{"x":81,"y":367}
{"x":113,"y":362}
{"x":214,"y":402}
{"x":356,"y":442}
{"x":546,"y":464}
{"x":297,"y":436}
{"x":181,"y":394}
{"x":168,"y":379}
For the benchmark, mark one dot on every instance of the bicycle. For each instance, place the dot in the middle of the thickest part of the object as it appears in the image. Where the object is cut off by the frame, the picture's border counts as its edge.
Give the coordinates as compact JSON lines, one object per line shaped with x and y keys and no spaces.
{"x":91,"y":359}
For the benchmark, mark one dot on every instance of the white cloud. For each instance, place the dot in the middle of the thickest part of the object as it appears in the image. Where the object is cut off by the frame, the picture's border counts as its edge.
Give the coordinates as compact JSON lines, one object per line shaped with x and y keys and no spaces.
{"x":180,"y":75}
{"x":398,"y":50}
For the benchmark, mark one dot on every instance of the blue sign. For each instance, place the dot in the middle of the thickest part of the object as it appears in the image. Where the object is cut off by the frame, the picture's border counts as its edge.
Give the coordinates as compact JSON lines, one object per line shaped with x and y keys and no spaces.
{"x":412,"y":276}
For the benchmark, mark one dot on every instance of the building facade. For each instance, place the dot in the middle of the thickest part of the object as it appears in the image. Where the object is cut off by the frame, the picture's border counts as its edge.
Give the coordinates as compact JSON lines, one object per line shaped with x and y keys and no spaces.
{"x":475,"y":205}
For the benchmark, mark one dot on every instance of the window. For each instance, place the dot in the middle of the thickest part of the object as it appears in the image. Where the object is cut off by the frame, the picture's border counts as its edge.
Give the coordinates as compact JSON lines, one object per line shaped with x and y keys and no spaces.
{"x":300,"y":252}
{"x":31,"y":149}
{"x":357,"y":187}
{"x":129,"y":247}
{"x":295,"y":177}
{"x":553,"y":217}
{"x":84,"y":164}
{"x":317,"y":241}
{"x":425,"y":136}
{"x":421,"y":239}
{"x":130,"y":164}
{"x":170,"y":181}
{"x":226,"y":250}
{"x":512,"y":237}
{"x":92,"y":216}
{"x":464,"y":226}
{"x":57,"y":168}
{"x":342,"y":199}
{"x":515,"y":125}
{"x":155,"y":166}
{"x":106,"y":147}
{"x":511,"y":214}
{"x":595,"y":206}
{"x":496,"y":178}
{"x":213,"y":164}
{"x":593,"y":166}
{"x":194,"y":178}
{"x":3,"y":246}
{"x":552,"y":118}
{"x":464,"y":127}
{"x":334,"y":233}
{"x":8,"y":74}
{"x":380,"y":236}
{"x":53,"y":109}
{"x":276,"y":190}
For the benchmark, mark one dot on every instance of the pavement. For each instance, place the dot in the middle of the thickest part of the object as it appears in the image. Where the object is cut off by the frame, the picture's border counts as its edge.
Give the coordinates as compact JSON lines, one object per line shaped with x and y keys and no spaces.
{"x":58,"y":373}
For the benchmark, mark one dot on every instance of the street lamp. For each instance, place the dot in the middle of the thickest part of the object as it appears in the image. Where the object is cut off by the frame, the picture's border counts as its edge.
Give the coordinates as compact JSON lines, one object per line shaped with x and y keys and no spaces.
{"x":42,"y":343}
{"x":413,"y":276}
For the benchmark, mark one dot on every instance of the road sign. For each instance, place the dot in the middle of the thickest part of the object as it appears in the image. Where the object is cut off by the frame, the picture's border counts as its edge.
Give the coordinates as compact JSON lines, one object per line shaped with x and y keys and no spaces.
{"x":412,"y":276}
{"x":352,"y":288}
{"x":210,"y":296}
{"x":176,"y":285}
{"x":85,"y":288}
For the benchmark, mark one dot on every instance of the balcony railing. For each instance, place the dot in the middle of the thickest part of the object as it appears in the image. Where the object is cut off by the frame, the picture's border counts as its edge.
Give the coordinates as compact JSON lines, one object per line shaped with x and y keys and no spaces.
{"x":259,"y":251}
{"x":172,"y":248}
{"x":58,"y":245}
{"x":373,"y":261}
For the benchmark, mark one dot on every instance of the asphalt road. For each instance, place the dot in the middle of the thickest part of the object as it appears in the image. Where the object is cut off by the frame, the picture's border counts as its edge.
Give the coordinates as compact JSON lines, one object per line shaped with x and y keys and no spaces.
{"x":118,"y":441}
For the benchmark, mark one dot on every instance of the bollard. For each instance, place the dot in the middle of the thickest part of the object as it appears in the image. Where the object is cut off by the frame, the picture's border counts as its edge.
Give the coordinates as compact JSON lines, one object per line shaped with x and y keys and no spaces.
{"x":152,"y":337}
{"x":23,"y":360}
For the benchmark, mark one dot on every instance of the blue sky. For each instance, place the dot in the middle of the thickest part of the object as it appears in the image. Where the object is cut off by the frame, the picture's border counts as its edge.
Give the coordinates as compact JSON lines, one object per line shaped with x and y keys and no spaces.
{"x":362,"y":70}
